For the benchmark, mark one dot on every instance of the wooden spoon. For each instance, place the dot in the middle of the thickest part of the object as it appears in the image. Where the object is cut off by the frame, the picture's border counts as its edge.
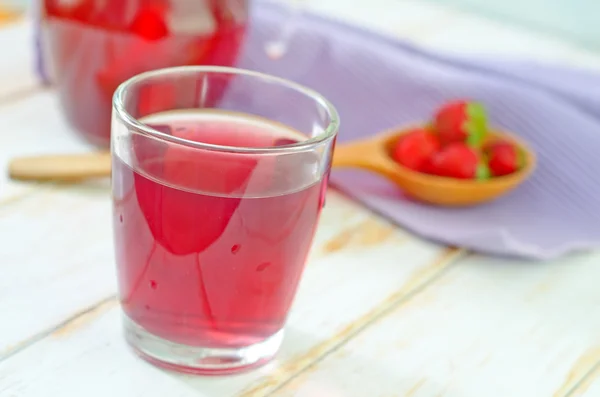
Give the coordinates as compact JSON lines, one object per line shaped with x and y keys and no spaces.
{"x":371,"y":154}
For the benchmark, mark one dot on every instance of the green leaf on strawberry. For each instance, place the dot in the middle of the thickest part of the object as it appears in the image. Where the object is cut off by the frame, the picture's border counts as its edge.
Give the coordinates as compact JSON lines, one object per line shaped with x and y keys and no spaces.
{"x":483,"y":172}
{"x":475,"y":124}
{"x":461,"y":121}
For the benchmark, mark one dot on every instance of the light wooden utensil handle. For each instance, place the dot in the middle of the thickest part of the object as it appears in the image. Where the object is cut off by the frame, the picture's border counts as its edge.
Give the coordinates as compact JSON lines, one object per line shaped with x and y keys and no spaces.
{"x":368,"y":154}
{"x":65,"y":168}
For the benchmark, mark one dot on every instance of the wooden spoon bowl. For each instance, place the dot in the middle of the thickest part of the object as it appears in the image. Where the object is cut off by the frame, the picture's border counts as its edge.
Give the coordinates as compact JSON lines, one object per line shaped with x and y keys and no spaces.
{"x":374,"y":155}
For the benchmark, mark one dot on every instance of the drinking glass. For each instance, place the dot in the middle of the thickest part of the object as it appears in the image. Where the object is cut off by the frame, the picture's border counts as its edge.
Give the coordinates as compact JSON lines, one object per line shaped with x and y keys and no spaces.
{"x":219,"y":177}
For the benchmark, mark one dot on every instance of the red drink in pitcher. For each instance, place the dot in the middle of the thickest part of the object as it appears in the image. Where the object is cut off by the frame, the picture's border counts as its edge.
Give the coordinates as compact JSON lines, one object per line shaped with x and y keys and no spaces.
{"x":211,"y":246}
{"x":94,"y":45}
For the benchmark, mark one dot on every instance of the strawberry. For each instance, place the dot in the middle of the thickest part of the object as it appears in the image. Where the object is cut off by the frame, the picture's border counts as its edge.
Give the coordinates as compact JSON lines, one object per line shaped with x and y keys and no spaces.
{"x":149,"y":24}
{"x":458,"y":160}
{"x":504,"y":158}
{"x":461,"y":121}
{"x":414,"y":149}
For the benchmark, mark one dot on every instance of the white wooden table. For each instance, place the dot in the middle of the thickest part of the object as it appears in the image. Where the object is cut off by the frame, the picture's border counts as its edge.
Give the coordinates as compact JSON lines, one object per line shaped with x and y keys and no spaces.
{"x":380,"y":313}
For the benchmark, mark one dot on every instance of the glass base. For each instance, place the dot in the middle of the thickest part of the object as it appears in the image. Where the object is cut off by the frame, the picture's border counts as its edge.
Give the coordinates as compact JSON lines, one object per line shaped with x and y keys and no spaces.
{"x":196,"y":359}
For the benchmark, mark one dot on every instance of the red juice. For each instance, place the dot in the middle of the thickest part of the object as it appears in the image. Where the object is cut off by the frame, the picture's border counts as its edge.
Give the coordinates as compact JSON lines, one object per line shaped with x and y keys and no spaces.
{"x":94,"y":45}
{"x":211,"y":245}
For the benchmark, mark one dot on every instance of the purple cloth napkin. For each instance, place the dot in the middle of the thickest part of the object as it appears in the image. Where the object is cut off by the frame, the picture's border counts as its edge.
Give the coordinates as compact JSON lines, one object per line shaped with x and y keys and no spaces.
{"x":378,"y":83}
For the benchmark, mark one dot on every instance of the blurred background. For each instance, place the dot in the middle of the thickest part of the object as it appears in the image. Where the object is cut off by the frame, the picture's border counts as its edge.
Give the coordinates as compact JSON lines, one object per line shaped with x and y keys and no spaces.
{"x":575,"y":20}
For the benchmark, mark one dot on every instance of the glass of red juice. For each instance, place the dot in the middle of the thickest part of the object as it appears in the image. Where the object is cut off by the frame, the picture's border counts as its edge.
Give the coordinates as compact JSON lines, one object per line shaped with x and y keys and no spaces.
{"x":92,"y":46}
{"x":219,"y":177}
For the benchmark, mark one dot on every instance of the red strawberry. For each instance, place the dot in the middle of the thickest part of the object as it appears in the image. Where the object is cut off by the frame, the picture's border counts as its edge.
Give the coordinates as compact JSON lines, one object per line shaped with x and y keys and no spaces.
{"x":458,"y":160}
{"x":461,"y":121}
{"x":415,"y":148}
{"x":149,"y":24}
{"x":504,"y":158}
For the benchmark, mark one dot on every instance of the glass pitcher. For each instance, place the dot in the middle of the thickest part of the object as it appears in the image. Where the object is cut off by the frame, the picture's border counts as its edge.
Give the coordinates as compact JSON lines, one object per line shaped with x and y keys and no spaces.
{"x":91,"y":46}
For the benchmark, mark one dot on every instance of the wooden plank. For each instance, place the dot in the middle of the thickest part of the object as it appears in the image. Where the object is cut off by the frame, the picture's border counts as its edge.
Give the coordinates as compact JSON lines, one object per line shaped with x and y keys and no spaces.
{"x":489,"y":327}
{"x":360,"y":267}
{"x":48,"y":277}
{"x":56,"y":250}
{"x":17,"y":61}
{"x":590,"y":385}
{"x":355,"y":267}
{"x":32,"y":125}
{"x":8,"y":16}
{"x":69,"y":230}
{"x":77,"y":272}
{"x":56,"y":259}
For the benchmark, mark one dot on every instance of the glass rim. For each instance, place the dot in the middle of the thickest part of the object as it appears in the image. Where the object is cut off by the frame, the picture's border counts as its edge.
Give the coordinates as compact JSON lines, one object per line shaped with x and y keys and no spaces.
{"x":328,"y":133}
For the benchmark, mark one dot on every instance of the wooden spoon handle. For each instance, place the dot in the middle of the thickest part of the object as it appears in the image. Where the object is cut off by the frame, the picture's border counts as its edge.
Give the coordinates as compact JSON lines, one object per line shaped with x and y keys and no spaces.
{"x":61,"y":168}
{"x":369,"y":155}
